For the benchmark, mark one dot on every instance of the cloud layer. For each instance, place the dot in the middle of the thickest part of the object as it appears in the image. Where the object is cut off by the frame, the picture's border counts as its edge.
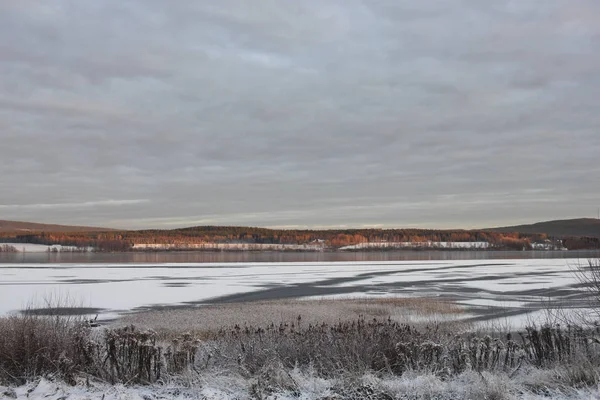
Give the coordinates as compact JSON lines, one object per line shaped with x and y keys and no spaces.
{"x":147,"y":113}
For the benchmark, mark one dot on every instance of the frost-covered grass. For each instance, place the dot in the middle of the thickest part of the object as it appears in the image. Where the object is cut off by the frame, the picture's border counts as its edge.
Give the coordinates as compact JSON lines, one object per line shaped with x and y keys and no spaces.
{"x":311,"y":349}
{"x":359,"y":359}
{"x":306,"y":385}
{"x":34,"y":345}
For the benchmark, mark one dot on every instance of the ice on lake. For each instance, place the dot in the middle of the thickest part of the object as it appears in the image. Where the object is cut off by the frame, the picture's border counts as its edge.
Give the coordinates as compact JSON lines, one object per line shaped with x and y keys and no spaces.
{"x":485,"y":287}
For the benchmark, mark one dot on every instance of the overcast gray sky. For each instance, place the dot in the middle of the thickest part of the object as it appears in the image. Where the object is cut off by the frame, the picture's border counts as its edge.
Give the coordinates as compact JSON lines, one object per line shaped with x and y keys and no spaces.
{"x":287,"y":113}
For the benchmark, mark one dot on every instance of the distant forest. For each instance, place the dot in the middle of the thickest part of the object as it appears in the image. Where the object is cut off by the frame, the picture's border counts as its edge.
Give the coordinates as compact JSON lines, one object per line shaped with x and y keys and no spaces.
{"x":333,"y":239}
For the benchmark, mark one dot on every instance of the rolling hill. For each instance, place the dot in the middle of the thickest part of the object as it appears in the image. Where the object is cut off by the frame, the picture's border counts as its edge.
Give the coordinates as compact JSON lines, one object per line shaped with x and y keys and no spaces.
{"x":18,"y":226}
{"x":589,"y":227}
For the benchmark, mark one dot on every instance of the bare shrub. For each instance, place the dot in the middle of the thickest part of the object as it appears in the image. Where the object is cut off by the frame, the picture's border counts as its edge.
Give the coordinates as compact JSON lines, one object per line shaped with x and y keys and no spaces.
{"x":51,"y":338}
{"x":181,"y":353}
{"x":130,"y":355}
{"x":34,"y":345}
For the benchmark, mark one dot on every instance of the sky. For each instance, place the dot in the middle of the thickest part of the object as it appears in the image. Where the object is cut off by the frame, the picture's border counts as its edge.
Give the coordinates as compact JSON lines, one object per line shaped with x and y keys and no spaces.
{"x":292,"y":114}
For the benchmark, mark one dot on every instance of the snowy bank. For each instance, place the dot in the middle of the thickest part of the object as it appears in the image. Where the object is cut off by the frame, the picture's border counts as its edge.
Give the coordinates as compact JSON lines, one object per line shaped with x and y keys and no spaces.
{"x":528,"y":385}
{"x":227,"y":247}
{"x":419,"y":245}
{"x":41,"y":248}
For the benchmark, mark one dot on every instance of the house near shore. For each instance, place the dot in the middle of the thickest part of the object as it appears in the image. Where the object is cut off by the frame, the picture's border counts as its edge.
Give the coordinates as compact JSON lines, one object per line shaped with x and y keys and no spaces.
{"x":548,"y":245}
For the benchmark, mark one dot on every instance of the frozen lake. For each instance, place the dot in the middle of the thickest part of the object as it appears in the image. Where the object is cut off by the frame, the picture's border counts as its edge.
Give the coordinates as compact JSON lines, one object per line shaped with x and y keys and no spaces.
{"x":488,"y":288}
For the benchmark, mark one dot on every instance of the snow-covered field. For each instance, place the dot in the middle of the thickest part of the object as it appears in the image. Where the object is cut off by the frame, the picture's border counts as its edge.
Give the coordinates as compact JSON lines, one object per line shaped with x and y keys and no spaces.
{"x":487,"y":288}
{"x":229,"y":246}
{"x":39,"y":248}
{"x":426,"y":245}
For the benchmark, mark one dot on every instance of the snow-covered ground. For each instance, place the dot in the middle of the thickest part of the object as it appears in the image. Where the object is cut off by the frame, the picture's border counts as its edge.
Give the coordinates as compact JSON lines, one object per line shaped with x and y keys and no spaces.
{"x":39,"y":248}
{"x":229,"y":246}
{"x":484,"y":287}
{"x":305,"y":386}
{"x":418,"y":245}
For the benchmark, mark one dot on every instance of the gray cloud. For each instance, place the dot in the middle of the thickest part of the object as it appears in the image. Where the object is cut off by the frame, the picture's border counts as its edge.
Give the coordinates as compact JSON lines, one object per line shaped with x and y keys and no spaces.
{"x":103,"y":203}
{"x":286,"y":113}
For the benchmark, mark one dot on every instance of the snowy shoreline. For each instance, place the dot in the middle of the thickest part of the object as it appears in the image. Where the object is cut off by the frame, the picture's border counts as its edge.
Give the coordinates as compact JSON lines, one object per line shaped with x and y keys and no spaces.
{"x":42,"y":248}
{"x":219,"y":386}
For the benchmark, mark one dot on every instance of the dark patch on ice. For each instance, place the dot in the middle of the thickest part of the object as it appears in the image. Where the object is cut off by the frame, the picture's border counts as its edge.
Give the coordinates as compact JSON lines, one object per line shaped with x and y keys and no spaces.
{"x":490,"y":314}
{"x":176,"y":284}
{"x":175,"y":278}
{"x":91,"y":281}
{"x":62,"y":311}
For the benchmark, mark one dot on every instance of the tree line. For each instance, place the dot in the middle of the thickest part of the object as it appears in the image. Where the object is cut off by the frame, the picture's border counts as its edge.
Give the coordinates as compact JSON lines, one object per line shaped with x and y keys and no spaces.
{"x":335,"y":238}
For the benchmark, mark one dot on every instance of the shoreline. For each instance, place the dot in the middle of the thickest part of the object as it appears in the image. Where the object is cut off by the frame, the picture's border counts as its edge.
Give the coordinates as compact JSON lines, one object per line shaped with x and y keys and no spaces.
{"x":56,"y":249}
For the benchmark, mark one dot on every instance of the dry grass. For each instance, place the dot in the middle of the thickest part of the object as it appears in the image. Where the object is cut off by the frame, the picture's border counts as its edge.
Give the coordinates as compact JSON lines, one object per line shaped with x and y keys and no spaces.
{"x":204,"y":321}
{"x":33,"y":345}
{"x":384,"y":347}
{"x":264,"y":343}
{"x":265,"y":356}
{"x":37,"y":343}
{"x":46,"y":340}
